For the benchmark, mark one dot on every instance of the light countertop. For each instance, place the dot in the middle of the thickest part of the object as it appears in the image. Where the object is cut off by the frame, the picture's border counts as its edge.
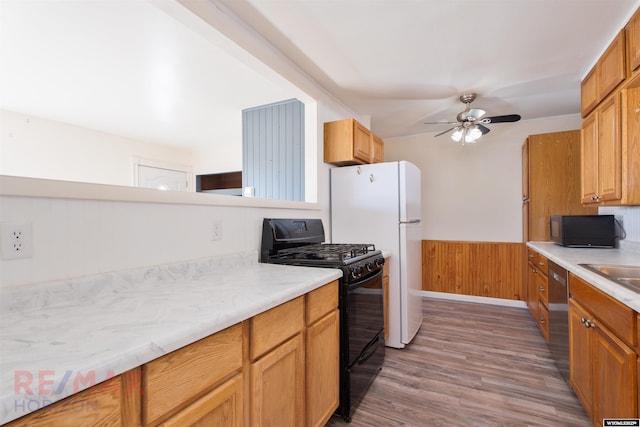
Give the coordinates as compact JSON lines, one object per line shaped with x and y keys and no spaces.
{"x":54,"y":336}
{"x":569,"y":258}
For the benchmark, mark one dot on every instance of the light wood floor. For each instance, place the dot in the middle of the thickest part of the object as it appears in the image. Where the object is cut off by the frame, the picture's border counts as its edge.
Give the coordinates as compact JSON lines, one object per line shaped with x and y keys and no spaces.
{"x":470,"y":365}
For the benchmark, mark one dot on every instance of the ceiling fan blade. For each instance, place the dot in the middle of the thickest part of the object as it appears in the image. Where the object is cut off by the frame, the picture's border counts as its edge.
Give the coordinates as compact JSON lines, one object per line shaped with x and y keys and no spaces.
{"x":501,"y":119}
{"x":443,"y":132}
{"x":476,"y":113}
{"x":440,"y":123}
{"x":485,"y":130}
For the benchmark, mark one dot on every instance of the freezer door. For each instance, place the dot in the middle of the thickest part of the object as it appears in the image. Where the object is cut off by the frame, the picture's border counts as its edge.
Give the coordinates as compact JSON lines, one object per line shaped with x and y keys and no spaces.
{"x":410,"y":279}
{"x":409,"y":192}
{"x":364,"y":204}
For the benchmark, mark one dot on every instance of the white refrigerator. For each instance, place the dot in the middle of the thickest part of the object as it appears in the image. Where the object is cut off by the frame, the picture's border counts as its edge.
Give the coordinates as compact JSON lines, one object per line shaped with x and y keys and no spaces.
{"x":380,"y":204}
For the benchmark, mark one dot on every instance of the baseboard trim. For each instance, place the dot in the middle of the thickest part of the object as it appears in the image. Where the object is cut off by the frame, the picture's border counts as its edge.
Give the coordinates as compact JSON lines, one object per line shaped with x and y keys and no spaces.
{"x":473,"y":298}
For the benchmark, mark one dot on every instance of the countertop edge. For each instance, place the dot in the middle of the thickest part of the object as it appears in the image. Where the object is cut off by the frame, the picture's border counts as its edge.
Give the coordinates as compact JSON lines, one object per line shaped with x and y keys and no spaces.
{"x":567,"y":258}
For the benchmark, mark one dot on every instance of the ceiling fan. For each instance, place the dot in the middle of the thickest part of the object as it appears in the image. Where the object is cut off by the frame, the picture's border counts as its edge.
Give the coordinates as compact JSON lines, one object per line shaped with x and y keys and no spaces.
{"x":470,"y":124}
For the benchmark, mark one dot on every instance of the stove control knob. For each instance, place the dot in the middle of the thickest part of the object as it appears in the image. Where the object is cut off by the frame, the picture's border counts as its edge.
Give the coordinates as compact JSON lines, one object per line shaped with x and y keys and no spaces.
{"x":380,"y":262}
{"x":356,"y":271}
{"x":370,"y":266}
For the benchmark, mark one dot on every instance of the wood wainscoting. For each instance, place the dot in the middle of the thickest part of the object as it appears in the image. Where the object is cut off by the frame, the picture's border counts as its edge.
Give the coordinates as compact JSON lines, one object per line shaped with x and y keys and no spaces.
{"x":486,"y":269}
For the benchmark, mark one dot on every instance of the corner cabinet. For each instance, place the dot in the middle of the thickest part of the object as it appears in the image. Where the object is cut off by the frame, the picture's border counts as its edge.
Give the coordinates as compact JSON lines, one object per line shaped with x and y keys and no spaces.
{"x":603,"y":364}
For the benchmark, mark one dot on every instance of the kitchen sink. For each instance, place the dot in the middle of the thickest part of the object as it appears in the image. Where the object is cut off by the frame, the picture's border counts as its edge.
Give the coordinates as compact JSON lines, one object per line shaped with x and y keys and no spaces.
{"x":626,"y":275}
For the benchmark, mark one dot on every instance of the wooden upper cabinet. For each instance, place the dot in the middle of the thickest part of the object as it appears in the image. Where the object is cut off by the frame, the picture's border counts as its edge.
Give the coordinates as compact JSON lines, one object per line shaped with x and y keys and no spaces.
{"x":605,"y":76}
{"x":630,"y":149}
{"x":590,"y":158}
{"x":347,"y":142}
{"x":553,"y":170}
{"x":611,"y":68}
{"x":589,"y":93}
{"x":632,"y":34}
{"x":377,"y":149}
{"x":609,"y":150}
{"x":602,"y":154}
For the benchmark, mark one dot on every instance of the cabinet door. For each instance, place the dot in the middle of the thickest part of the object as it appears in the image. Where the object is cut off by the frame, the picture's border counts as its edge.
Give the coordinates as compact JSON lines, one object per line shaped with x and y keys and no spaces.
{"x":277,"y":386}
{"x":590,"y":159}
{"x":221,"y":407}
{"x":580,"y":356}
{"x":614,"y":377}
{"x":361,"y":142}
{"x":525,"y":191}
{"x":633,"y":42}
{"x":609,"y":147}
{"x":589,"y":92}
{"x":322,"y":369}
{"x":611,"y":69}
{"x":377,"y":149}
{"x":532,"y":290}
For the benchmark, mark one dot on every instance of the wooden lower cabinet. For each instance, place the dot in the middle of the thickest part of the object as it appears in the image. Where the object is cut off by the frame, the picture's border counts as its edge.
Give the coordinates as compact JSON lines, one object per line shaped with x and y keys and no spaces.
{"x":537,"y":290}
{"x":173,"y":380}
{"x":603,"y":367}
{"x":322,"y":369}
{"x":114,"y":402}
{"x":221,"y":407}
{"x":581,"y":356}
{"x":278,"y":368}
{"x":277,"y":386}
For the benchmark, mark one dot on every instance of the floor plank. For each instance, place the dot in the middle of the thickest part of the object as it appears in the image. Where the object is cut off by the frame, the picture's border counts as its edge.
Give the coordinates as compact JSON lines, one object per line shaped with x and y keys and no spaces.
{"x":470,"y":365}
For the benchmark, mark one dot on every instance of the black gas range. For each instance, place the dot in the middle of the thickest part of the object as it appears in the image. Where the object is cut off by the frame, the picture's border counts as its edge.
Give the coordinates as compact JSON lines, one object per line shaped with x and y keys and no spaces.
{"x":300,"y":242}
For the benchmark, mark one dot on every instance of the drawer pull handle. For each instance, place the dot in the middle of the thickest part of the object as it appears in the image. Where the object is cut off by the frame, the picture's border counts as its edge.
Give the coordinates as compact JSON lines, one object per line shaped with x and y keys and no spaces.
{"x":541,"y":288}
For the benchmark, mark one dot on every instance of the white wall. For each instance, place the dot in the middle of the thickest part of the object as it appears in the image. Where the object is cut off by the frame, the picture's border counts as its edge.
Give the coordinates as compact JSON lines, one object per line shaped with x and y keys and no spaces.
{"x":75,"y":238}
{"x":473,"y":192}
{"x":40,"y":148}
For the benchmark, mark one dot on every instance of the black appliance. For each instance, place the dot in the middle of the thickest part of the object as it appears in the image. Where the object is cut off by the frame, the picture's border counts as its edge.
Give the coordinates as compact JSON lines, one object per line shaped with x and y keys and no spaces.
{"x":559,"y":318}
{"x":300,"y":242}
{"x":583,"y":231}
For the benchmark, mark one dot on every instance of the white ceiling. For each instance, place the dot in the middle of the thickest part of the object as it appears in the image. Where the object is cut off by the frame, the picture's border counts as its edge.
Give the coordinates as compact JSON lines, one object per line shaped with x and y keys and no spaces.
{"x":404,"y":62}
{"x":154,"y":72}
{"x":151,"y":71}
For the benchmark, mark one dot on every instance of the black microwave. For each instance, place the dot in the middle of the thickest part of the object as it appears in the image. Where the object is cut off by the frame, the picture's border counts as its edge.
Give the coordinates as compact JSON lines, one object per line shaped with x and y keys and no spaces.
{"x":583,"y":231}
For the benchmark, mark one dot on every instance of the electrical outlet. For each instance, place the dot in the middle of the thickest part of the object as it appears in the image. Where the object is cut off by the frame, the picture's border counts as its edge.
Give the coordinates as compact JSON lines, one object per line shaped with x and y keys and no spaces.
{"x":216,"y":230}
{"x":16,"y":240}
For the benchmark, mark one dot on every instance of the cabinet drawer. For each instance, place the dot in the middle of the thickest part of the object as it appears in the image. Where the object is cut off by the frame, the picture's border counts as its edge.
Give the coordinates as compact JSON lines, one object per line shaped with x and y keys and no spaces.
{"x":272,"y":327}
{"x":543,"y":289}
{"x":178,"y":377}
{"x":542,"y":264}
{"x":321,"y":301}
{"x":616,"y":316}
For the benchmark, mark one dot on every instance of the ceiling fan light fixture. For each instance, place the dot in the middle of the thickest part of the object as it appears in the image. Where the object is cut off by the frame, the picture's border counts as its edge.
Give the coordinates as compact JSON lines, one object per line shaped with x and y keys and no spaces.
{"x":457,"y":134}
{"x":473,"y":134}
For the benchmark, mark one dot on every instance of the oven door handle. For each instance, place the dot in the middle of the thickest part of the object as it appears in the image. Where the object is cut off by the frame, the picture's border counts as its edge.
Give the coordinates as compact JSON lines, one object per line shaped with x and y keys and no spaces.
{"x":369,"y":350}
{"x":364,"y":281}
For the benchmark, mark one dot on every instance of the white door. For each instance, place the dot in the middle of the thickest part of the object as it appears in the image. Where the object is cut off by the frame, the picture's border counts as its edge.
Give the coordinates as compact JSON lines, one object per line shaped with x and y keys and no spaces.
{"x":162,"y":179}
